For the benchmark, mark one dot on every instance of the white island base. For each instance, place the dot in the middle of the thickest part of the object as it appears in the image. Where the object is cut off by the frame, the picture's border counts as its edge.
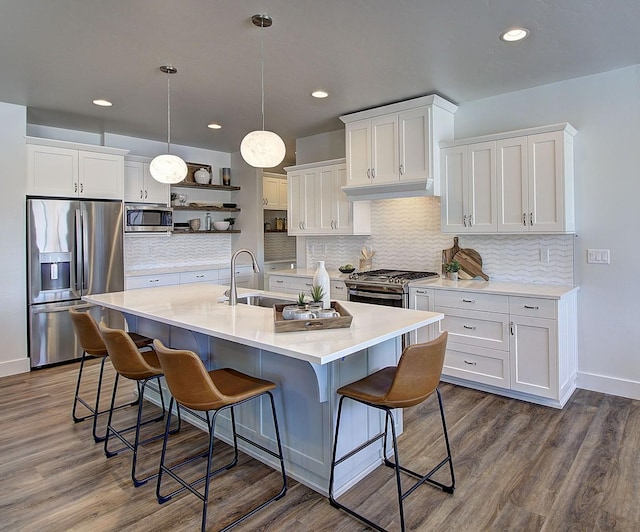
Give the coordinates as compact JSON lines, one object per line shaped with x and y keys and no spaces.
{"x":307,"y":367}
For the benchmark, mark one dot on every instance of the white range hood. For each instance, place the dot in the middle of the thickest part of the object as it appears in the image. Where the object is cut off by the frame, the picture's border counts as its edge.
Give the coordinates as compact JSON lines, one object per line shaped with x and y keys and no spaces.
{"x":401,"y":189}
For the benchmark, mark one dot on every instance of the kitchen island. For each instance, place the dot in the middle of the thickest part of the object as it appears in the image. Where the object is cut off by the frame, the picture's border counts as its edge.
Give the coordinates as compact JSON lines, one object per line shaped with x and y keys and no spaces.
{"x":307,"y":366}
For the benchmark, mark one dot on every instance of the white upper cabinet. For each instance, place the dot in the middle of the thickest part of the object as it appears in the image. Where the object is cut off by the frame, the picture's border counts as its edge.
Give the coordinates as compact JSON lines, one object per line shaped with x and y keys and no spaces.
{"x":468,"y":203}
{"x":140,"y":186}
{"x":64,"y":169}
{"x":274,"y":192}
{"x":318,"y":205}
{"x":512,"y":182}
{"x":392,"y":151}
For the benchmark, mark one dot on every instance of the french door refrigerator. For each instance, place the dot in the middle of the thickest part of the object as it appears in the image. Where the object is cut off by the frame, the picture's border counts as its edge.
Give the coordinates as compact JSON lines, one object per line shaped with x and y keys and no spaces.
{"x":74,"y":248}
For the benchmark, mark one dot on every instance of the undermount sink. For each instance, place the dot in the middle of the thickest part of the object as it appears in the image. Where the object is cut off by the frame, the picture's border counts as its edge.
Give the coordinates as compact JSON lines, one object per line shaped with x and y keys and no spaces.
{"x":264,"y":301}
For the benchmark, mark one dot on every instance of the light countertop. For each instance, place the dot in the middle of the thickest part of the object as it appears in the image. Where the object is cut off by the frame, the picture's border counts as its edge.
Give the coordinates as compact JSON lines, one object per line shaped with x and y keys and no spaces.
{"x":200,"y":308}
{"x":547,"y":291}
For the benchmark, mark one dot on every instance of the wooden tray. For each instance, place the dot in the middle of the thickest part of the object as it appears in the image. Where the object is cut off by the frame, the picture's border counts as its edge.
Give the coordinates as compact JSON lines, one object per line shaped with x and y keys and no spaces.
{"x":282,"y":325}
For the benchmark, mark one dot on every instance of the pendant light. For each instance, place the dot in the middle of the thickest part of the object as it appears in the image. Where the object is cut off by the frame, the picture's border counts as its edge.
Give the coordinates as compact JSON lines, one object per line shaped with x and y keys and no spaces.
{"x":260,"y":148}
{"x":168,"y":168}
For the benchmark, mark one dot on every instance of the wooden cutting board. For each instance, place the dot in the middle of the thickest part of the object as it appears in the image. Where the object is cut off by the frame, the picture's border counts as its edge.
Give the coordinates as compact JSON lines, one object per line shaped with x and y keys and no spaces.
{"x":469,"y":259}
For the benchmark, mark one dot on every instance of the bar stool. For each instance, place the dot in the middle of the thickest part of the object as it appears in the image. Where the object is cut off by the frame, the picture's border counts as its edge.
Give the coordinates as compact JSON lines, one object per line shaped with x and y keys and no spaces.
{"x":195,"y":389}
{"x":141,"y":367}
{"x":414,"y":379}
{"x":88,"y":335}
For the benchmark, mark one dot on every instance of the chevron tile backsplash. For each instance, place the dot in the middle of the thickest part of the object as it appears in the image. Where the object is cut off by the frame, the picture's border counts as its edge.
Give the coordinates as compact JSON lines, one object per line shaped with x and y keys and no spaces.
{"x":175,"y":250}
{"x":406,"y":234}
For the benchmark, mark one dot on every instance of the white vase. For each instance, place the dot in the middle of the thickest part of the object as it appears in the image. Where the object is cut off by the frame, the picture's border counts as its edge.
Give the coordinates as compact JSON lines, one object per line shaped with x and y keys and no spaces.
{"x":321,"y":278}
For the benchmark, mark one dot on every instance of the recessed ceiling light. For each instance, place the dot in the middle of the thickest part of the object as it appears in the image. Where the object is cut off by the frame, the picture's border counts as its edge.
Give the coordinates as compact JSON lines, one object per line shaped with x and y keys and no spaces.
{"x":103,"y":103}
{"x":515,"y":34}
{"x":319,"y":94}
{"x":214,"y":126}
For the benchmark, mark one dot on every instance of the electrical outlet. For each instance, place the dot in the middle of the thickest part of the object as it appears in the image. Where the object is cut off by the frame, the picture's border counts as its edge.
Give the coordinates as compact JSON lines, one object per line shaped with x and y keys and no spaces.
{"x":598,"y":256}
{"x":544,"y":254}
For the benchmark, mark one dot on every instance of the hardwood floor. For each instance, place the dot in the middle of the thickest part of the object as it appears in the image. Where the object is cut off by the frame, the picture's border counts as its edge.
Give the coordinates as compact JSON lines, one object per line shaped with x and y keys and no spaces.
{"x":518,"y":467}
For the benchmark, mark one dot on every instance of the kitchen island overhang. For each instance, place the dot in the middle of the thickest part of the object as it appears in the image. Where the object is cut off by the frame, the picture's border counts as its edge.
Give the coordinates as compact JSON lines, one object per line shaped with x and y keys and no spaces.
{"x":307,"y":366}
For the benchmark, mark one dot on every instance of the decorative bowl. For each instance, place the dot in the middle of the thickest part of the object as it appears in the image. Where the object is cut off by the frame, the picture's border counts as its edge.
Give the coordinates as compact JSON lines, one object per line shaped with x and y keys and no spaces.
{"x":194,"y":224}
{"x":221,"y":226}
{"x":346,"y":270}
{"x":202,"y":176}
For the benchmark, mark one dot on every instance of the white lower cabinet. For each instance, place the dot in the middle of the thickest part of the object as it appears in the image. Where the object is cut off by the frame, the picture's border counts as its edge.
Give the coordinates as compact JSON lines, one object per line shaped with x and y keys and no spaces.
{"x":199,"y":276}
{"x":244,"y":278}
{"x":290,"y":284}
{"x":151,"y":281}
{"x":522,"y":347}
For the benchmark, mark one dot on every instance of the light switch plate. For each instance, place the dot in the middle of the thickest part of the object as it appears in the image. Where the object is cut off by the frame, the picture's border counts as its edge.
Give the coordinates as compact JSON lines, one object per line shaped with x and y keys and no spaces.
{"x":598,"y":256}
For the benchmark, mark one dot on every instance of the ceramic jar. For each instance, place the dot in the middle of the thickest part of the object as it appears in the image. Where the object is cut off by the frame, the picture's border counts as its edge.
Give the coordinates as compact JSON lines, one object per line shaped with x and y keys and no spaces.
{"x":202,"y":176}
{"x":321,"y":278}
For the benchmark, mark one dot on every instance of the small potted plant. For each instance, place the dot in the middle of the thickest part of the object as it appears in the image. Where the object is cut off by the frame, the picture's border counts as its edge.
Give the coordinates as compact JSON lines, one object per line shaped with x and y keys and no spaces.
{"x":231,"y":221}
{"x":317,"y":295}
{"x":452,"y":268}
{"x":302,"y":300}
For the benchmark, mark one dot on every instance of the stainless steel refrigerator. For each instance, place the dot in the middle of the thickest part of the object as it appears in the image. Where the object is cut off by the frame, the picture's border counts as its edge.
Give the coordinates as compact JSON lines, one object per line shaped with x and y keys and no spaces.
{"x":74,"y":248}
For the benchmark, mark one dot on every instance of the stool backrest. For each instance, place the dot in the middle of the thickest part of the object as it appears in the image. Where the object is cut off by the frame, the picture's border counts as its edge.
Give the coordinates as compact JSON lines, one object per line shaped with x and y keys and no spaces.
{"x":125,"y":356}
{"x":188,"y":379}
{"x":418,"y":373}
{"x":87,"y":332}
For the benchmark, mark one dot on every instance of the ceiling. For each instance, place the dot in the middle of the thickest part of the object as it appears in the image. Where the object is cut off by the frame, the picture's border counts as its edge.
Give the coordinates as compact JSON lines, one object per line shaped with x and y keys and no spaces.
{"x":56,"y":57}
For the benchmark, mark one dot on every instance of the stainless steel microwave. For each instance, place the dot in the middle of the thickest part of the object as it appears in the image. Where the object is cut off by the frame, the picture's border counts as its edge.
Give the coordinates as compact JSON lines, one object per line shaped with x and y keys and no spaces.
{"x":147,"y":218}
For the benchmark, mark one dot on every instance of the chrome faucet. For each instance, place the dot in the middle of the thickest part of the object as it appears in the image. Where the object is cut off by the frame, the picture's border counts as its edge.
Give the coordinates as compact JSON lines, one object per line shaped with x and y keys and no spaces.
{"x":233,"y":293}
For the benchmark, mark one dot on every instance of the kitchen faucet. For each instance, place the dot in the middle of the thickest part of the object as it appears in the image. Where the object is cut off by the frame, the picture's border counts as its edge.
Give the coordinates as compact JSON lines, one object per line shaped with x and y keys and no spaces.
{"x":233,"y":293}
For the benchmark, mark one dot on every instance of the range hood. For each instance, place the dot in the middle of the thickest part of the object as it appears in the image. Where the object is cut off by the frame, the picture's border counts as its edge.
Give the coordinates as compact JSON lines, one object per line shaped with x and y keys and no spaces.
{"x":411,"y":189}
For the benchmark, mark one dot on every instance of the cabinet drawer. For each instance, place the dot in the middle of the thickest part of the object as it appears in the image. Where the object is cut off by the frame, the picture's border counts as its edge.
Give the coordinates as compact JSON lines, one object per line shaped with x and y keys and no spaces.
{"x":485,"y":366}
{"x":201,"y":276}
{"x":532,"y":306}
{"x":480,"y":329}
{"x":338,"y":290}
{"x":472,"y":301}
{"x":294,"y":284}
{"x":150,"y":281}
{"x":244,"y":271}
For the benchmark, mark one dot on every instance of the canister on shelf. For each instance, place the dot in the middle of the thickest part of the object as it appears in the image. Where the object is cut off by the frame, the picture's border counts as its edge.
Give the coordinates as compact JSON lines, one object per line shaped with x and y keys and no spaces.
{"x":207,"y":222}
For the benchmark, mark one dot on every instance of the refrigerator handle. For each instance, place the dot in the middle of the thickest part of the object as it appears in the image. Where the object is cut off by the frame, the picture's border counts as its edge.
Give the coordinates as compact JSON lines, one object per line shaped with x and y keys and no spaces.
{"x":77,"y":244}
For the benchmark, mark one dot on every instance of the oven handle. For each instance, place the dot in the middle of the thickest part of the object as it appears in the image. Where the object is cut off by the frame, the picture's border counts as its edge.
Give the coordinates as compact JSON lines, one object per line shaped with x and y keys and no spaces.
{"x":374,"y":295}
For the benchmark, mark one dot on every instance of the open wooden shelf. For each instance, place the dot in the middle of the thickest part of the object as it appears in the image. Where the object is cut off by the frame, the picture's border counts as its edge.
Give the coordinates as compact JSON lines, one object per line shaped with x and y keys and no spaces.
{"x":203,"y":232}
{"x":189,"y":184}
{"x":210,"y":209}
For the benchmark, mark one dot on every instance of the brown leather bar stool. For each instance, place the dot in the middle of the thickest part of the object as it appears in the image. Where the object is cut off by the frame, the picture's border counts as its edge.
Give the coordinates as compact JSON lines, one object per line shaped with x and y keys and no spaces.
{"x":88,"y":335}
{"x":197,"y":390}
{"x":141,"y":367}
{"x":414,"y":379}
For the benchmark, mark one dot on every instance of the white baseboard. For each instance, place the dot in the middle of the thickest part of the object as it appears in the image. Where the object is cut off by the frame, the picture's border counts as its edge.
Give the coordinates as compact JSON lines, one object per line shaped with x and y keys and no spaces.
{"x":610,"y":385}
{"x":13,"y":367}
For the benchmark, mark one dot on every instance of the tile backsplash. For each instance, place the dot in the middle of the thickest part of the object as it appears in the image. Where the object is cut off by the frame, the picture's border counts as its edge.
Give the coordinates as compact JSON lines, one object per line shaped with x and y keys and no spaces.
{"x":406,"y":234}
{"x":150,"y":252}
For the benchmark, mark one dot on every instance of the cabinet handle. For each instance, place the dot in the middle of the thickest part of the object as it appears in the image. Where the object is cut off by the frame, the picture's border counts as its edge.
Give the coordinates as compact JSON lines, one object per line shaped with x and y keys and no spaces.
{"x":279,"y":281}
{"x":420,"y":292}
{"x":468,"y":300}
{"x":471,"y":220}
{"x":464,"y":220}
{"x":266,"y":201}
{"x":140,"y":193}
{"x":199,"y":276}
{"x":145,"y":194}
{"x":300,"y":225}
{"x":402,"y":169}
{"x":373,"y":173}
{"x":470,"y":363}
{"x":369,"y":173}
{"x":469,"y":328}
{"x":531,"y":219}
{"x":530,"y":307}
{"x":308,"y":284}
{"x":511,"y":329}
{"x":524,"y":219}
{"x":75,"y":187}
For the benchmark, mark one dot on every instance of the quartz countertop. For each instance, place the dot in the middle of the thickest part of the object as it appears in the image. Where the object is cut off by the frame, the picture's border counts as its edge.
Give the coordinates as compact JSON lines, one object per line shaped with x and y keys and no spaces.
{"x":180,"y":269}
{"x":201,"y":308}
{"x":547,"y":291}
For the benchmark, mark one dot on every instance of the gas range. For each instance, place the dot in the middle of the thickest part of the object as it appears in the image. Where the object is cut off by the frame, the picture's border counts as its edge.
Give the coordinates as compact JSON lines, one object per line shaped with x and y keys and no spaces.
{"x":386,"y":280}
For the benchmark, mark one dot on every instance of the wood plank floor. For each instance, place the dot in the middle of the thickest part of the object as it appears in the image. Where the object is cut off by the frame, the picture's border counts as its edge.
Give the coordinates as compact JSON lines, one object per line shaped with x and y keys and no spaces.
{"x":518,"y":467}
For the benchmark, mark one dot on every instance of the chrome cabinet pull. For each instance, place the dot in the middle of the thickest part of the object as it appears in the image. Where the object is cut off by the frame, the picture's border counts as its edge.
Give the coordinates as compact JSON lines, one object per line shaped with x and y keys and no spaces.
{"x":464,"y":220}
{"x":141,"y":195}
{"x":530,"y":307}
{"x":199,"y":276}
{"x":524,"y":219}
{"x":81,"y":188}
{"x":531,"y":219}
{"x":373,"y":173}
{"x":469,"y":328}
{"x":279,"y":281}
{"x":75,"y":187}
{"x":402,"y":169}
{"x":369,"y":173}
{"x":470,"y":363}
{"x":471,"y":220}
{"x":420,"y":292}
{"x":511,"y":329}
{"x":468,"y":300}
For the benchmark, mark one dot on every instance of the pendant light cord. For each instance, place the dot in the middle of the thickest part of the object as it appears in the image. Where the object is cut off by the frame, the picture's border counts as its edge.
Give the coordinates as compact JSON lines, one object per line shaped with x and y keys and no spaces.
{"x":262,"y":67}
{"x":168,"y":113}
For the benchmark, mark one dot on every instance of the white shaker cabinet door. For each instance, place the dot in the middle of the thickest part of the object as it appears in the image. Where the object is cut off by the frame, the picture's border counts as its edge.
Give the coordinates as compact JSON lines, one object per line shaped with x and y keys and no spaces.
{"x":101,"y":175}
{"x":52,"y":171}
{"x":512,"y":185}
{"x":358,"y":148}
{"x":415,"y":148}
{"x":454,"y":184}
{"x":384,"y":149}
{"x":481,"y":208}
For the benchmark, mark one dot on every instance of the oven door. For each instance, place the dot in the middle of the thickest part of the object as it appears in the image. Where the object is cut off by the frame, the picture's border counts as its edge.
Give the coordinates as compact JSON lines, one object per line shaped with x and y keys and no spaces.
{"x":389,"y":299}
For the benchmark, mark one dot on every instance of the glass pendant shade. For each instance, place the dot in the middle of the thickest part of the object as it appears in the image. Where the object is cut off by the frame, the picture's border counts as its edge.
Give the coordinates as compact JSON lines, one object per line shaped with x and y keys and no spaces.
{"x":262,"y":149}
{"x":168,"y":169}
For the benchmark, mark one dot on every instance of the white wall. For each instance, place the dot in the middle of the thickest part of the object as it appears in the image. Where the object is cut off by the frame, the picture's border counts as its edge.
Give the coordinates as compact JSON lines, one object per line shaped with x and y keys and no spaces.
{"x":605,"y":109}
{"x":13,"y":290}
